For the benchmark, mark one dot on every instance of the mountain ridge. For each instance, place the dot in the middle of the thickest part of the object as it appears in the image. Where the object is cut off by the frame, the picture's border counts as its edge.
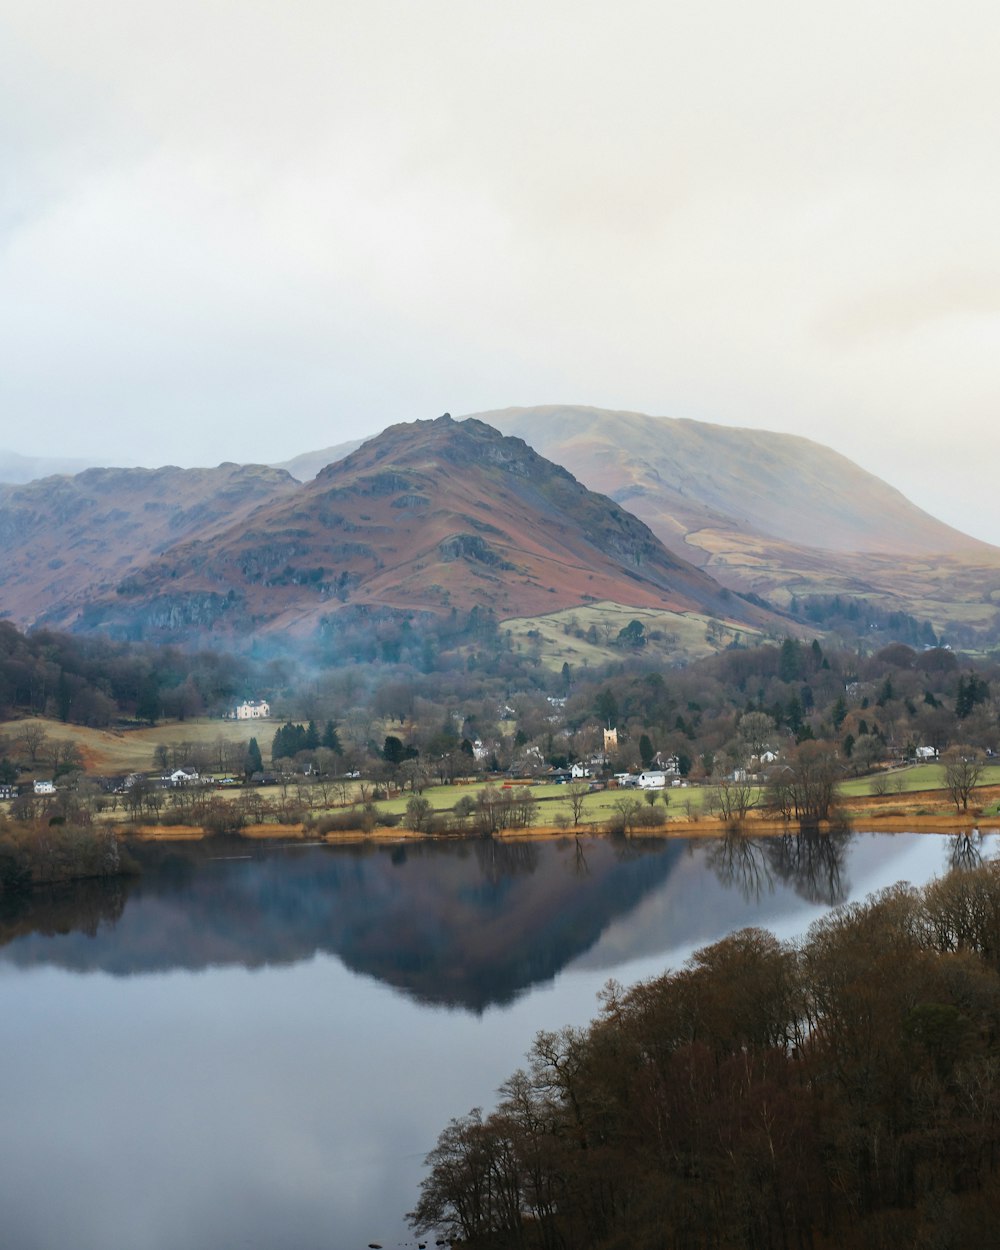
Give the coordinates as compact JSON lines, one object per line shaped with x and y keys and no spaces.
{"x":431,"y":516}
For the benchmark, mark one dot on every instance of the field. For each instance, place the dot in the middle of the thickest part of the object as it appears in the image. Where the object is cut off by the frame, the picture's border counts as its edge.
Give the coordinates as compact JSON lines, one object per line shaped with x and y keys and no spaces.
{"x":112,"y":751}
{"x":671,"y":636}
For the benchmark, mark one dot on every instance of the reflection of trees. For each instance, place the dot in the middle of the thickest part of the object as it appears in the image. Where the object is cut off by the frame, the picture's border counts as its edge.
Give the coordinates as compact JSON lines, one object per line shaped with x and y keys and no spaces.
{"x":812,"y":863}
{"x":738,"y":860}
{"x":81,"y":906}
{"x":965,"y":850}
{"x":499,"y":859}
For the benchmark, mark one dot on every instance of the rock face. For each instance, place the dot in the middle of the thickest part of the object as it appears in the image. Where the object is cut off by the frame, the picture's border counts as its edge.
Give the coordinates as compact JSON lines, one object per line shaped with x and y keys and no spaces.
{"x":429,"y":516}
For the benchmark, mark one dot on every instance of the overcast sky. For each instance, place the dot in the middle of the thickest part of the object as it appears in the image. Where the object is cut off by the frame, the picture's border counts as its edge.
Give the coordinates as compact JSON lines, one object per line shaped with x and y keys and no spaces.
{"x":243,"y":229}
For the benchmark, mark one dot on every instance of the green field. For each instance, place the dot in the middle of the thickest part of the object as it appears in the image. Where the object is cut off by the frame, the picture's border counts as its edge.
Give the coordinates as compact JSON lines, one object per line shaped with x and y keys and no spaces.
{"x":910,"y":779}
{"x":554,"y":802}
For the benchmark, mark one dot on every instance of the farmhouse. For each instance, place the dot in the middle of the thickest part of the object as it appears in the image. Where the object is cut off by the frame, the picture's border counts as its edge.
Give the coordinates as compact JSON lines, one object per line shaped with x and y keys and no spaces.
{"x":45,"y":787}
{"x":251,"y":709}
{"x":184,"y":777}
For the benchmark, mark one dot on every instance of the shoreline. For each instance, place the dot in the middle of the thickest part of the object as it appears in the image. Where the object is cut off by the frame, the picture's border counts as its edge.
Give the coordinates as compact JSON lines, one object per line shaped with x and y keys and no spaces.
{"x":705,"y":827}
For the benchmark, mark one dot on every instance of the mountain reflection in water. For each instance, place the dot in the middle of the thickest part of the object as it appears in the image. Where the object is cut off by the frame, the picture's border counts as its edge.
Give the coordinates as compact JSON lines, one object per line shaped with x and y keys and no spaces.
{"x":467,"y":924}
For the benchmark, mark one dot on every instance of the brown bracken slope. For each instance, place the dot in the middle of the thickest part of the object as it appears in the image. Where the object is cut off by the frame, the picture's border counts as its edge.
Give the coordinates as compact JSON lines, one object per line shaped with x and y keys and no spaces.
{"x":432,"y":515}
{"x":64,"y":540}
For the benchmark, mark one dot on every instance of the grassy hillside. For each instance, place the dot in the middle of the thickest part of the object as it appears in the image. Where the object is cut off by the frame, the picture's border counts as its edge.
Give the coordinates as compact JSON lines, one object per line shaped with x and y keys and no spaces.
{"x":587,"y":636}
{"x":131,"y":750}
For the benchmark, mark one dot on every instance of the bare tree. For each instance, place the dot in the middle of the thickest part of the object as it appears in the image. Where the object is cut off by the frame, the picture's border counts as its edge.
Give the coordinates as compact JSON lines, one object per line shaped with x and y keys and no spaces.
{"x":962,"y":770}
{"x":577,"y":794}
{"x":33,"y":738}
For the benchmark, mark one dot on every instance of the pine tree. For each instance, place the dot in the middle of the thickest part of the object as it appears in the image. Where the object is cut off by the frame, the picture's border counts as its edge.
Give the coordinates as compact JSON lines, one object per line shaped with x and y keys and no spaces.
{"x":253,"y":763}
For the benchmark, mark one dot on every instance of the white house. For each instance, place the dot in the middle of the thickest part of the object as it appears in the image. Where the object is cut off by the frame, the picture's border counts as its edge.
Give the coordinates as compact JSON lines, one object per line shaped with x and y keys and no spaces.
{"x":251,"y":709}
{"x":652,"y":781}
{"x":579,"y":770}
{"x":926,"y":753}
{"x":183,"y":777}
{"x":45,"y":787}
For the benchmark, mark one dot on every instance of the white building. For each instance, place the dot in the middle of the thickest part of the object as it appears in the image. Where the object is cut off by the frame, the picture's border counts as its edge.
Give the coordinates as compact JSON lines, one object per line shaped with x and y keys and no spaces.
{"x":45,"y":787}
{"x":251,"y":709}
{"x":652,"y":781}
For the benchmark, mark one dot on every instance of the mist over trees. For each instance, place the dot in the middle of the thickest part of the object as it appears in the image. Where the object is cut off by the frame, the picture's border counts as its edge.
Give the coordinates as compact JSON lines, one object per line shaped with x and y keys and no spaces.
{"x":439,"y":699}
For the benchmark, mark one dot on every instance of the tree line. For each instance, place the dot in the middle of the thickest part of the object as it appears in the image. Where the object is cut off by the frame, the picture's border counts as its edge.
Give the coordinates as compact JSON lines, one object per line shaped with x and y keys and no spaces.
{"x":842,"y":1090}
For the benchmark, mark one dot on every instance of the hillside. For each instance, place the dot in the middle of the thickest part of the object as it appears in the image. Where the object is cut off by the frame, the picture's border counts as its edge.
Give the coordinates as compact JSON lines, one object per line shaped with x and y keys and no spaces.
{"x":65,"y":539}
{"x":689,"y":476}
{"x":771,"y":513}
{"x":434,"y":516}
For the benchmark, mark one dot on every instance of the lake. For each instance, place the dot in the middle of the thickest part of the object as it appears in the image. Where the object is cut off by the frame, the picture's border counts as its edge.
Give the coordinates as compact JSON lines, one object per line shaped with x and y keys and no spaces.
{"x":255,"y":1046}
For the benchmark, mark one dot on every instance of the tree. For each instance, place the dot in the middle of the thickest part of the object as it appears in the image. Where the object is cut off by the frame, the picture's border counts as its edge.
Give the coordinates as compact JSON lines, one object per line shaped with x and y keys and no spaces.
{"x":632,"y":635}
{"x":331,"y":739}
{"x":962,"y":771}
{"x":867,"y":751}
{"x":253,"y":762}
{"x":755,"y":730}
{"x":577,"y":794}
{"x":419,"y":814}
{"x":33,"y":738}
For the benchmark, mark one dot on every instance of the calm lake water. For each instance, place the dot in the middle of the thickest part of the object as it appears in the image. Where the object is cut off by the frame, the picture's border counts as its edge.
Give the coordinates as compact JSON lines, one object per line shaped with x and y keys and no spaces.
{"x":252,"y":1047}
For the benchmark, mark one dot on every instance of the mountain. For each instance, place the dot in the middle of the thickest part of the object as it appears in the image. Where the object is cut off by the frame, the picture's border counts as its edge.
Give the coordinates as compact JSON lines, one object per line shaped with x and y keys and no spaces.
{"x":17,"y":469}
{"x":433,"y":516}
{"x":67,"y":539}
{"x":305,"y":467}
{"x":686,"y":477}
{"x":774,"y":514}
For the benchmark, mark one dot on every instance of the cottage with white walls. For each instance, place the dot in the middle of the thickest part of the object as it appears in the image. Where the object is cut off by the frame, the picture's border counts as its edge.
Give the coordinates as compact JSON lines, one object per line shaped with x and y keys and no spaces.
{"x":251,"y":709}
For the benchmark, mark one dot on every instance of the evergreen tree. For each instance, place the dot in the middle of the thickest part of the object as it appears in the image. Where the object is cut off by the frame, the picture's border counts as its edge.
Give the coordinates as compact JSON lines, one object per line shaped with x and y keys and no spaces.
{"x":331,"y":739}
{"x":253,"y":763}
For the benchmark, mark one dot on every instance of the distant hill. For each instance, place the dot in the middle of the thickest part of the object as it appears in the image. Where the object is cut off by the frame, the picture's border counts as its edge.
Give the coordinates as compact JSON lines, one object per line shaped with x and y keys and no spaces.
{"x":774,"y":514}
{"x":305,"y":467}
{"x":65,"y":539}
{"x":433,"y":516}
{"x":683,"y":477}
{"x":16,"y":469}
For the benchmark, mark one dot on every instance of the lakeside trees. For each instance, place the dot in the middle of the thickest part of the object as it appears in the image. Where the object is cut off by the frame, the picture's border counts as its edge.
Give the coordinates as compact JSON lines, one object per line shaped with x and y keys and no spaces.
{"x":845,"y":1089}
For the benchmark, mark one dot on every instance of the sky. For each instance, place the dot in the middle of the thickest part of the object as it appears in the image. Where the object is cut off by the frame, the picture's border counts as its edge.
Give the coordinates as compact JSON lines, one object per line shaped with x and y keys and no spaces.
{"x":245,"y":229}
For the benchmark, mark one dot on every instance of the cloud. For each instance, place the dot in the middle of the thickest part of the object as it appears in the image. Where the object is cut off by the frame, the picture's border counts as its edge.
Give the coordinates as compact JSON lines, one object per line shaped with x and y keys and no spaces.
{"x":248,"y":229}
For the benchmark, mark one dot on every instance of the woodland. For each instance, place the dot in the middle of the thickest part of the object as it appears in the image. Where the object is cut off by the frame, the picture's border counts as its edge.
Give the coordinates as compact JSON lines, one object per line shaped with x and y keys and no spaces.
{"x":839,"y":1091}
